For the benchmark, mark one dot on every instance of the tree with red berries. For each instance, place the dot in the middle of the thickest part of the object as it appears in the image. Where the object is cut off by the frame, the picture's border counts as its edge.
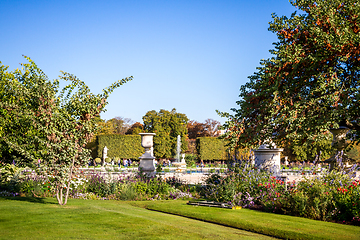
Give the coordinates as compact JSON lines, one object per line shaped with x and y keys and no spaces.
{"x":310,"y":84}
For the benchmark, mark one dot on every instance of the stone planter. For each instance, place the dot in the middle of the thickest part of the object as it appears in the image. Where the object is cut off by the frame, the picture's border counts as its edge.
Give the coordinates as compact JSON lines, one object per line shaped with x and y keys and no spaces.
{"x":147,"y":160}
{"x":268,"y":158}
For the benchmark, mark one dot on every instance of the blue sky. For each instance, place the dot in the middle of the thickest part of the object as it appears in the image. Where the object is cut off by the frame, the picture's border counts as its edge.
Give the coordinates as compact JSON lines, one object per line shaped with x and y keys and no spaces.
{"x":190,"y":55}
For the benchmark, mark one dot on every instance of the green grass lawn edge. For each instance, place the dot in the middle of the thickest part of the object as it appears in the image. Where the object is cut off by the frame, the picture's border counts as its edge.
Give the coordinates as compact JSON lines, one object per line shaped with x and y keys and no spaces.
{"x":276,"y":225}
{"x":42,"y":218}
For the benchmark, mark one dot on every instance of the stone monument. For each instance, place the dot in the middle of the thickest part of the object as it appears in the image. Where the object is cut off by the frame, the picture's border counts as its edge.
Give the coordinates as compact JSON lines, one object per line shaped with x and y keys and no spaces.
{"x":267,"y":157}
{"x":147,"y":160}
{"x":105,"y":154}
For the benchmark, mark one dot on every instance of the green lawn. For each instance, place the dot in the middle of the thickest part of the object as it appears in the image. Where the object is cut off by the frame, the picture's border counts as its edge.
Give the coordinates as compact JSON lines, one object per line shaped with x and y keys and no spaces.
{"x":33,"y":218}
{"x":281,"y":226}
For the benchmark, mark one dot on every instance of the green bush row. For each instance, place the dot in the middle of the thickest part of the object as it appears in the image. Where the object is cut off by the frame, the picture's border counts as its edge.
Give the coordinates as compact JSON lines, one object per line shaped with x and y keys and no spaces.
{"x":211,"y":148}
{"x":121,"y":146}
{"x":129,"y":146}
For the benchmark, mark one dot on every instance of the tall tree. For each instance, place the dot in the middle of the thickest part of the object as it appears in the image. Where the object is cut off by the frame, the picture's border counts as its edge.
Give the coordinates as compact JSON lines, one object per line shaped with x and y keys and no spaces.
{"x":310,"y":84}
{"x":167,"y":125}
{"x":195,"y":129}
{"x":51,"y":125}
{"x":135,"y":129}
{"x":119,"y":125}
{"x":210,"y":128}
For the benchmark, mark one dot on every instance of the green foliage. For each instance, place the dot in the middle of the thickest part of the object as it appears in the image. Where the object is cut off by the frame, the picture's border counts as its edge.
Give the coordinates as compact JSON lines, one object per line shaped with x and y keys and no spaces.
{"x":211,"y":148}
{"x":127,"y":192}
{"x":167,"y":126}
{"x":333,"y":196}
{"x":117,"y":125}
{"x":98,"y":160}
{"x":190,"y":160}
{"x":99,"y":186}
{"x":354,"y":152}
{"x":152,"y":187}
{"x":8,"y":172}
{"x":311,"y":83}
{"x":158,"y":168}
{"x":309,"y":151}
{"x":50,"y":124}
{"x":122,"y":146}
{"x":135,"y":129}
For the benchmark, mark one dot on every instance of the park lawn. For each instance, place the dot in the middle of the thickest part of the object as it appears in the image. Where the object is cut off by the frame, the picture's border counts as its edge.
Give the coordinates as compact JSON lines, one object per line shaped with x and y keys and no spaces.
{"x":43,"y":218}
{"x":276,"y":225}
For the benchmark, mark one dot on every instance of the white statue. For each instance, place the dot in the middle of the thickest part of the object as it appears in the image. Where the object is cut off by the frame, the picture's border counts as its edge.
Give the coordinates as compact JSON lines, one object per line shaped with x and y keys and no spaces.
{"x":105,"y":153}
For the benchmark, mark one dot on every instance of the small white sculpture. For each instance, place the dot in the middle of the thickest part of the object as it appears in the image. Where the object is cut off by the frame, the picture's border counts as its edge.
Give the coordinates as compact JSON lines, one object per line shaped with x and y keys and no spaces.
{"x":105,"y":153}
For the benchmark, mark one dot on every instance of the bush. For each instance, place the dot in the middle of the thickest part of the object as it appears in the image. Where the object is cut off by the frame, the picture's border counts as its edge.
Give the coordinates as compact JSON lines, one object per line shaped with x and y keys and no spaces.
{"x":190,"y":160}
{"x":333,"y":196}
{"x":127,"y":192}
{"x":123,"y":146}
{"x":211,"y":148}
{"x":98,"y":185}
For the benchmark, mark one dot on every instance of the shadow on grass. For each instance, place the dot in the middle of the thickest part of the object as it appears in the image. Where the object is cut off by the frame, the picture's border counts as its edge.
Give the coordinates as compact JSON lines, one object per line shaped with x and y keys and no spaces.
{"x":29,"y":199}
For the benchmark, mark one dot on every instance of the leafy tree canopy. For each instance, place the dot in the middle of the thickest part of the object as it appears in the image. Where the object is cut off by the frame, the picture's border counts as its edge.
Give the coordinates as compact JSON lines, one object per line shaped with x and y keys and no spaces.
{"x":119,"y":125}
{"x":208,"y":129}
{"x":116,"y":125}
{"x":310,"y":84}
{"x":167,"y":125}
{"x":39,"y":122}
{"x":135,"y":129}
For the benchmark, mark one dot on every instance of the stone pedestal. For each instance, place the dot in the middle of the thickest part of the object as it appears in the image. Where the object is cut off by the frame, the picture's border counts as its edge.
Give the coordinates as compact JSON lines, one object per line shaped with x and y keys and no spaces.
{"x":147,"y":160}
{"x":268,"y":158}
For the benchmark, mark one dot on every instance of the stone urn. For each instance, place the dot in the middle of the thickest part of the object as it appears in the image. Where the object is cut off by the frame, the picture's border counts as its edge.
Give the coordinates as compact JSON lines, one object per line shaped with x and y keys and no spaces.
{"x":339,"y":140}
{"x":267,"y":157}
{"x":147,"y":160}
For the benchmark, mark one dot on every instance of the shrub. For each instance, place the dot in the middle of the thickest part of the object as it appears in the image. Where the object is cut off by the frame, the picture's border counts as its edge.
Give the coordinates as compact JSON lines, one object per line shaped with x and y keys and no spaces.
{"x":127,"y":192}
{"x":333,"y":196}
{"x":123,"y":146}
{"x":190,"y":160}
{"x":97,"y":184}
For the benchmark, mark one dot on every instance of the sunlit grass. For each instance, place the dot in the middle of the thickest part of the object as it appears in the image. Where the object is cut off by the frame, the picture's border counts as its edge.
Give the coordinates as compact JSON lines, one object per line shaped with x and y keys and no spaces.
{"x":34,"y":218}
{"x":276,"y":225}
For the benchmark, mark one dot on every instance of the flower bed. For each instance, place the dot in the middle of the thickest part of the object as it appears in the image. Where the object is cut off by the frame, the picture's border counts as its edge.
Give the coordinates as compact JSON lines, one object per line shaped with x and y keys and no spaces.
{"x":333,"y":196}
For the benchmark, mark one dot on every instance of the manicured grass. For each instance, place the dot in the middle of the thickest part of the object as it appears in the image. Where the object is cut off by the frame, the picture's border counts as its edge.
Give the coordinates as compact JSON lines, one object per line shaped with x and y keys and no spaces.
{"x":276,"y":225}
{"x":36,"y":218}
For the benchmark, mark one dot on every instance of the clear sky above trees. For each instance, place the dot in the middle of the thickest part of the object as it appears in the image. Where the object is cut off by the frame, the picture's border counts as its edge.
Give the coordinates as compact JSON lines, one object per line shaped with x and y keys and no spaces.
{"x":189,"y":55}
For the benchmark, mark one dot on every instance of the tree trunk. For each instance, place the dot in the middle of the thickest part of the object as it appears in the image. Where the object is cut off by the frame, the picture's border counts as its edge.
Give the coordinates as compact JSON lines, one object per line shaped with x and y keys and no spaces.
{"x":62,"y":200}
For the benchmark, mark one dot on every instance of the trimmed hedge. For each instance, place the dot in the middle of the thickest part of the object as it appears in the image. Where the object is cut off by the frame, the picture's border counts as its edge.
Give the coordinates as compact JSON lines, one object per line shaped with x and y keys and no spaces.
{"x":211,"y":148}
{"x":121,"y":146}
